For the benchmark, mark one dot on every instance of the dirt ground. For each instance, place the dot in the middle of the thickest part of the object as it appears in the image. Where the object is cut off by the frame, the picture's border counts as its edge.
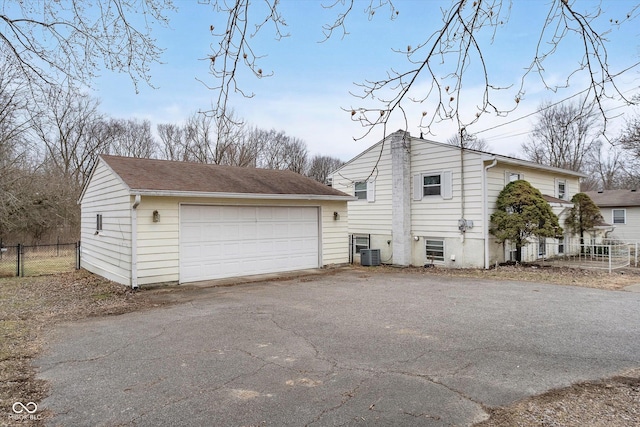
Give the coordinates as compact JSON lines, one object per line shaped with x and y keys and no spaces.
{"x":31,"y":307}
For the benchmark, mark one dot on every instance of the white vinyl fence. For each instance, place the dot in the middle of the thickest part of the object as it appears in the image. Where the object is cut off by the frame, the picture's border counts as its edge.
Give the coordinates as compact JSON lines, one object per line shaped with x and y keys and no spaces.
{"x":604,"y":255}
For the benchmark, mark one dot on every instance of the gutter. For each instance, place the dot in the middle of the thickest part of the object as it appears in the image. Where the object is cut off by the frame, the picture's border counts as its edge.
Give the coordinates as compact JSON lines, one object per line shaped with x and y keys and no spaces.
{"x":134,"y":242}
{"x":485,"y":210}
{"x":173,"y":193}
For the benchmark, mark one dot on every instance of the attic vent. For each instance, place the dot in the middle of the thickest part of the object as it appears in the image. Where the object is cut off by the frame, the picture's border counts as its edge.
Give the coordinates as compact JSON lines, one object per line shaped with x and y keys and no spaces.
{"x":633,"y":190}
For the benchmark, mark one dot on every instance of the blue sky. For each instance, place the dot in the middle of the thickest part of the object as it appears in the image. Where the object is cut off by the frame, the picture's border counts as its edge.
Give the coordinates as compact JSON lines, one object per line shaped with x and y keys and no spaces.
{"x":311,"y":83}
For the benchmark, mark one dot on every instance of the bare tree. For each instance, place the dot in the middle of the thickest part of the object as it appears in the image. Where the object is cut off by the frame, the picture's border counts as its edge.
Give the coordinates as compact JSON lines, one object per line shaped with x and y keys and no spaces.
{"x":630,"y":136}
{"x":440,"y":62}
{"x":280,"y":151}
{"x":173,"y":146}
{"x":71,"y":131}
{"x":272,"y":148}
{"x":56,"y":41}
{"x":296,"y":155}
{"x":132,"y":138}
{"x":563,"y":136}
{"x":321,"y":166}
{"x":607,"y":168}
{"x":200,"y":137}
{"x":469,"y":141}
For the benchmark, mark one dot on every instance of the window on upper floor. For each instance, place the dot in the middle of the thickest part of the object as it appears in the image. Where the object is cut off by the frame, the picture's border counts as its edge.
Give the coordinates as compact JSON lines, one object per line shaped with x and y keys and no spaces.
{"x":619,"y":216}
{"x":430,"y":184}
{"x":365,"y":190}
{"x":361,"y":190}
{"x":514,"y":176}
{"x":561,"y":189}
{"x":99,"y":222}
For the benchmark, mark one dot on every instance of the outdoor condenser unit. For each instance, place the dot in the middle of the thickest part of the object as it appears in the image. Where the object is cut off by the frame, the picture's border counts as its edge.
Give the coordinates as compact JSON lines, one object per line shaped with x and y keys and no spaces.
{"x":370,"y":257}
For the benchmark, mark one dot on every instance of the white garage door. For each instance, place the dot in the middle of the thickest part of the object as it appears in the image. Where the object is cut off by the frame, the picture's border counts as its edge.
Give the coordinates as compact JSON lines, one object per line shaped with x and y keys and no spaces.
{"x":227,"y":241}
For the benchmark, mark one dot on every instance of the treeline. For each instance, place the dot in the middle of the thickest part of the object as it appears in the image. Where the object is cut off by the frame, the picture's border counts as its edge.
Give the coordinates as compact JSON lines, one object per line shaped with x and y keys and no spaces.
{"x":50,"y":141}
{"x":575,"y":136}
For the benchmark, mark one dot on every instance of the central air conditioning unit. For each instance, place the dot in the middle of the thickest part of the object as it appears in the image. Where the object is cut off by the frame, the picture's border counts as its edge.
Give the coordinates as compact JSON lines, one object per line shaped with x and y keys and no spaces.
{"x":370,"y":257}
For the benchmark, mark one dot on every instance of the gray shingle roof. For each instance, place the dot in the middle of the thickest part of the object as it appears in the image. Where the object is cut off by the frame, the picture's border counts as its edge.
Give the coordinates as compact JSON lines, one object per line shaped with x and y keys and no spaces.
{"x":164,"y":176}
{"x":615,"y":198}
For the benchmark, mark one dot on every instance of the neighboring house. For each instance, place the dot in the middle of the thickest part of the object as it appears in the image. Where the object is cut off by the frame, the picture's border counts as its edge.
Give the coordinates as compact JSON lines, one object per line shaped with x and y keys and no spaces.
{"x":621,"y":209}
{"x":423,"y":202}
{"x":149,"y":221}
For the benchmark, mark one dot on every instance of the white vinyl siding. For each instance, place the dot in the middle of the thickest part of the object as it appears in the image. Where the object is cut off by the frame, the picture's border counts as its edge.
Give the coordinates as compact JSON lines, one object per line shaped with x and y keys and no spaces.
{"x":630,"y":230}
{"x":439,"y":215}
{"x":158,"y":242}
{"x":106,"y":203}
{"x":375,"y":168}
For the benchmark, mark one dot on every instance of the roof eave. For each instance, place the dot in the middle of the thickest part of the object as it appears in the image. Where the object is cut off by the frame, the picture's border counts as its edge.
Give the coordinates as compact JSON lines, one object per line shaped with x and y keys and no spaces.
{"x":528,"y":164}
{"x":203,"y":194}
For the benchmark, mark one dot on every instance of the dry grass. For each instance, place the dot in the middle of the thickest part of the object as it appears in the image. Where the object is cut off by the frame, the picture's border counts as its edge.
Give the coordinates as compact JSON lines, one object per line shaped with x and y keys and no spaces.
{"x":39,"y":264}
{"x":29,"y":307}
{"x":598,"y":279}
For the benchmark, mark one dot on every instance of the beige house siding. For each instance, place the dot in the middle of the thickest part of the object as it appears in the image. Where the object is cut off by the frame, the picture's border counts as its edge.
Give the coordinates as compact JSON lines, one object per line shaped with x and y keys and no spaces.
{"x":436,"y":217}
{"x":107,"y":253}
{"x":368,"y":215}
{"x":630,"y":230}
{"x":545,"y":181}
{"x":158,"y":243}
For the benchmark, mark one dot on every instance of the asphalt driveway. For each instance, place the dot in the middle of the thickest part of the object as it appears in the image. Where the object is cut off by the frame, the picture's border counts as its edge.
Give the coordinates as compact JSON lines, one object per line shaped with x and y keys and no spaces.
{"x":338,"y":349}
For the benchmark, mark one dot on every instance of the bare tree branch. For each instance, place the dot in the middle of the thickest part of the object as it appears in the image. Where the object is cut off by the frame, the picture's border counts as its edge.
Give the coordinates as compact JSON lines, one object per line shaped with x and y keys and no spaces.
{"x":54,"y":41}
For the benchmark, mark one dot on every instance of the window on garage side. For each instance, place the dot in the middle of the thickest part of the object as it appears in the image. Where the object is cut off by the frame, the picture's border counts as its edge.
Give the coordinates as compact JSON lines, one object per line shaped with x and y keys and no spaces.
{"x":619,"y":216}
{"x":98,"y":222}
{"x":435,"y":249}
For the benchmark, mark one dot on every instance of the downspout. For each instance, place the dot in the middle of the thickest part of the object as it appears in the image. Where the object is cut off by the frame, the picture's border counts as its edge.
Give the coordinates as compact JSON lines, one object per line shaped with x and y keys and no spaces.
{"x":485,"y":212}
{"x":134,"y":242}
{"x":464,"y":229}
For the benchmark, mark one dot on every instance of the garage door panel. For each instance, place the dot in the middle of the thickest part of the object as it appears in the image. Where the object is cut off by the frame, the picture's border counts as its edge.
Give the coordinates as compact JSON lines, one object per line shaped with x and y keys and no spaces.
{"x":227,"y":241}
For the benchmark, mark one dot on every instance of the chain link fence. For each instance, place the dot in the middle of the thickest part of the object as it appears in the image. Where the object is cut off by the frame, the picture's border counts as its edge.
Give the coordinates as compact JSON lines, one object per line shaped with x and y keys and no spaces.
{"x":37,"y":260}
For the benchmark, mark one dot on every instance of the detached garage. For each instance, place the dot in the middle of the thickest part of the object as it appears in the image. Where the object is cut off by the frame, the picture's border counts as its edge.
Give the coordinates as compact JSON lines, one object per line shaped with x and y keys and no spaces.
{"x":152,"y":221}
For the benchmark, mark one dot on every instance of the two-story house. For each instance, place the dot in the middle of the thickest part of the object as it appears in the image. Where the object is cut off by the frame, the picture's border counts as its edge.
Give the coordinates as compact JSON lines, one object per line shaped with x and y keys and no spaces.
{"x":621,"y":209}
{"x":423,"y":202}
